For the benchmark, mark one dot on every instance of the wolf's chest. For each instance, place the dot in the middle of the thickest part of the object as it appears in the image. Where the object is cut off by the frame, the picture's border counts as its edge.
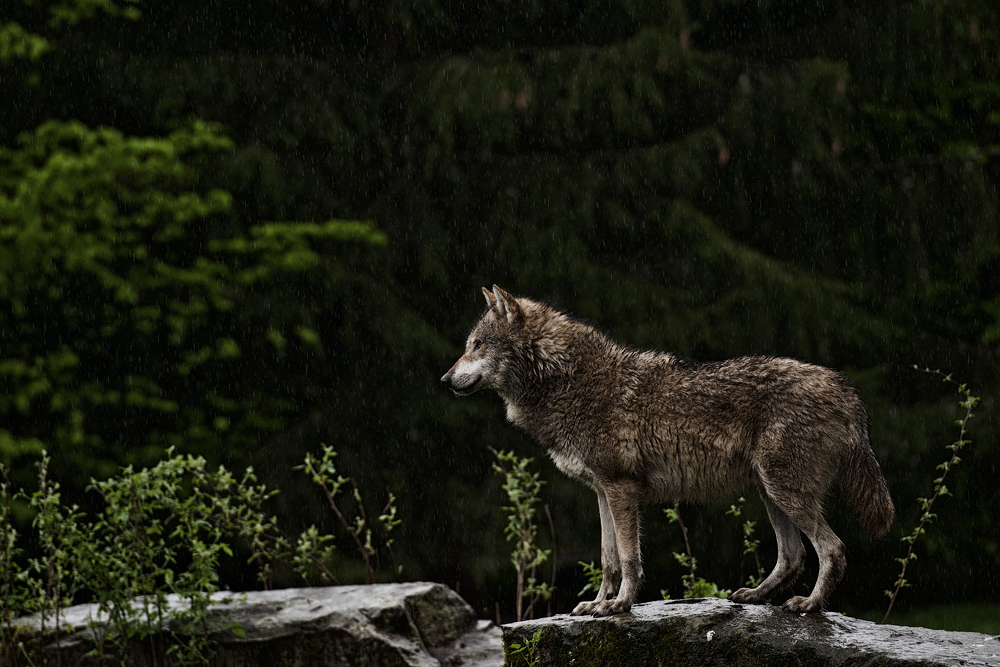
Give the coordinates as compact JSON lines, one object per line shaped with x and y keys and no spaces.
{"x":570,"y":463}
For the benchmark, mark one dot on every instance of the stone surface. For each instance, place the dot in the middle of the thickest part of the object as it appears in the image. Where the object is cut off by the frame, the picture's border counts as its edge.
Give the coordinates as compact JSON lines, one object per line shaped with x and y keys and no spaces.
{"x":482,"y":647}
{"x":719,"y":632}
{"x":404,"y":625}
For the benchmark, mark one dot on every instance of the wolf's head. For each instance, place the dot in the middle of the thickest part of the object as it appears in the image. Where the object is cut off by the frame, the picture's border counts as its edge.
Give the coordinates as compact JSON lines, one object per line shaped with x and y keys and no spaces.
{"x":492,"y":348}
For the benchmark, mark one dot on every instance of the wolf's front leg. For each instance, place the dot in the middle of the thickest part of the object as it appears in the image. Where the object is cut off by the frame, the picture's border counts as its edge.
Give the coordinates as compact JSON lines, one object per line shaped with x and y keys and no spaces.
{"x":611,"y":566}
{"x":623,"y":506}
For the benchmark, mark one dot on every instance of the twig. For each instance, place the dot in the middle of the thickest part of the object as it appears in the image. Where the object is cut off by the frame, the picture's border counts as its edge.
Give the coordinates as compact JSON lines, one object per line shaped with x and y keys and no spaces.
{"x":552,"y":578}
{"x":684,"y":532}
{"x":369,"y":574}
{"x":363,"y":526}
{"x":386,"y":519}
{"x":939,"y":488}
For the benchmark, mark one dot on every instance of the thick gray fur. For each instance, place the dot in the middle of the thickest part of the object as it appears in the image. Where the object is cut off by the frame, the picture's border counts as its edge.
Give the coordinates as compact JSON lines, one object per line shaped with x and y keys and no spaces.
{"x":642,"y":426}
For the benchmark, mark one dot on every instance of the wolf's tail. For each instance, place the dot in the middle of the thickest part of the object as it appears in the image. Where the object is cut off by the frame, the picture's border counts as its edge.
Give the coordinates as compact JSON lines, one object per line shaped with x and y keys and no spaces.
{"x":861,"y":480}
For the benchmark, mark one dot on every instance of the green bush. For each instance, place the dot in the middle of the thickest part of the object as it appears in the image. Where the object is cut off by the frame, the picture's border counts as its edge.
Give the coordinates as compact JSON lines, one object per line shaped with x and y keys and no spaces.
{"x":157,"y":531}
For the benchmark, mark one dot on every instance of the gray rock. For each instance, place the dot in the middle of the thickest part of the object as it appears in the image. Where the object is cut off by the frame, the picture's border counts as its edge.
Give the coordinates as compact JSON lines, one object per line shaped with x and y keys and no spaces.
{"x":482,"y":647}
{"x":719,"y":632}
{"x":404,"y":625}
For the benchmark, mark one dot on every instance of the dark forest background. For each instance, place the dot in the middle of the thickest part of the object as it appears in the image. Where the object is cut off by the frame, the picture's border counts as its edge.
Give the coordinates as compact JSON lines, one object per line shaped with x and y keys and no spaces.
{"x":243,"y":229}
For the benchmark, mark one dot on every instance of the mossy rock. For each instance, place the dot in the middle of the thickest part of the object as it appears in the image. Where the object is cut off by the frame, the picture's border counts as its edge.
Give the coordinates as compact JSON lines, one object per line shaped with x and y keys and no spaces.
{"x":382,"y":625}
{"x":718,"y":632}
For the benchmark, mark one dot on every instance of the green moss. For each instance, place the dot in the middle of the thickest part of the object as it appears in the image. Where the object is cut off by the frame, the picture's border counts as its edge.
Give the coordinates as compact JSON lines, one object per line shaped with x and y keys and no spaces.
{"x":604,"y":643}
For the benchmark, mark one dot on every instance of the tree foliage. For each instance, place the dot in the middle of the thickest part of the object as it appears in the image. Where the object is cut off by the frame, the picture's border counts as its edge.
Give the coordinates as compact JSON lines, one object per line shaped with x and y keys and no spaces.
{"x":130,"y":295}
{"x":124,"y":297}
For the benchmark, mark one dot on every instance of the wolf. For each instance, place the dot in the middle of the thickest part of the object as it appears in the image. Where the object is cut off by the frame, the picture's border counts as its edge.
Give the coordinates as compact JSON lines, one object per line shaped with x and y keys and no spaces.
{"x":641,"y":426}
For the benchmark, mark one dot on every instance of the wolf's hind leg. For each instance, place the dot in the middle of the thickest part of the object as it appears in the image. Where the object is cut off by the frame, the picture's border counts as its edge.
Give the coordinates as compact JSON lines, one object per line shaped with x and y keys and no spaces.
{"x":611,"y":566}
{"x":832,"y":560}
{"x":791,"y":557}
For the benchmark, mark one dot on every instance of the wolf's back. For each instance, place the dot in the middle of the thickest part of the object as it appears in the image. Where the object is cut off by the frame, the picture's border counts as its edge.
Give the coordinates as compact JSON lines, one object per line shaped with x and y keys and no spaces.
{"x":861,"y":480}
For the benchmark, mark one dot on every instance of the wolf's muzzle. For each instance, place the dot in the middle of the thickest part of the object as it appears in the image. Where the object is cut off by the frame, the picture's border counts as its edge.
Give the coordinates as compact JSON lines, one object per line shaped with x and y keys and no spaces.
{"x":448,"y":380}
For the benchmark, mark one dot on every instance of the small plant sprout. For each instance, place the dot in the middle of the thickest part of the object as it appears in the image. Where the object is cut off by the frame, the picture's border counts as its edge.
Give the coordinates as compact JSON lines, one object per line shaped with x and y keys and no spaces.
{"x":323,"y":472}
{"x":594,"y":575}
{"x":387,"y":519}
{"x":312,"y":551}
{"x":527,"y":652}
{"x":694,"y":586}
{"x":750,"y":545}
{"x":56,"y":527}
{"x":968,"y":401}
{"x":523,"y":488}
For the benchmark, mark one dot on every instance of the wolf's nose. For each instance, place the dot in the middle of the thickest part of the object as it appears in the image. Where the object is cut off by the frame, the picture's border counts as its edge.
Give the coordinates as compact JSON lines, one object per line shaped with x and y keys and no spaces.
{"x":446,"y":379}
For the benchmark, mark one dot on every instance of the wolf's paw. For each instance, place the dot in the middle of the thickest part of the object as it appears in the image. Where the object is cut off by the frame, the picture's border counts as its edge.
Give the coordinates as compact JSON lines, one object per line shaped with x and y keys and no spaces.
{"x":801,"y":605}
{"x":611,"y":607}
{"x":747,"y":596}
{"x":584,"y":608}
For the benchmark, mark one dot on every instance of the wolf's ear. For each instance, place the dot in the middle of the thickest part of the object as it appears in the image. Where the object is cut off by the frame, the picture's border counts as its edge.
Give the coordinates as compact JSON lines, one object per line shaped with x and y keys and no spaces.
{"x":491,"y":301}
{"x":506,"y":306}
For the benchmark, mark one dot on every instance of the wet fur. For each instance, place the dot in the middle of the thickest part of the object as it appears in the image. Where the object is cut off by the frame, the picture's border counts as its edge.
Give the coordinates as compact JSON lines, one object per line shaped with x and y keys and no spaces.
{"x":642,"y":427}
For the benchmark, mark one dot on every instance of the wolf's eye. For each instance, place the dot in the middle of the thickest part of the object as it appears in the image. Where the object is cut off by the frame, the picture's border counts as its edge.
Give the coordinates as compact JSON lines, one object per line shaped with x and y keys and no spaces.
{"x":476,"y":344}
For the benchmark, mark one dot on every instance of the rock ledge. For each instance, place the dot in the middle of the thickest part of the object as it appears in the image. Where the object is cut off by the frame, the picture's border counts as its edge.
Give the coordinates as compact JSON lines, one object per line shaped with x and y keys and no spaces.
{"x":719,"y":632}
{"x":390,"y":625}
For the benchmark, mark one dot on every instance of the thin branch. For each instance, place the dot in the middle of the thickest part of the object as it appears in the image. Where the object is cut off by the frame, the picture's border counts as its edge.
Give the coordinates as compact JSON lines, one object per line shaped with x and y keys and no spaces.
{"x":386,"y":527}
{"x":552,"y":579}
{"x":939,"y":487}
{"x":369,"y":574}
{"x":684,"y":532}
